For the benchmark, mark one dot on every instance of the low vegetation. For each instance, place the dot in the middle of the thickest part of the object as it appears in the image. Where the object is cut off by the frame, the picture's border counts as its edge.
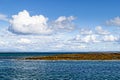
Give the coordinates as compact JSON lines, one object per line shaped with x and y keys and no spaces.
{"x":77,"y":56}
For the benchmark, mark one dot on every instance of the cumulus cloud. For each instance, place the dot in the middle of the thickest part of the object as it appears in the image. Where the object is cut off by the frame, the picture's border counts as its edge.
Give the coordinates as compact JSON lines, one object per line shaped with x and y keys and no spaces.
{"x":100,"y":30}
{"x":90,"y":38}
{"x":3,"y":17}
{"x":86,"y":31}
{"x":93,"y":38}
{"x":84,"y":40}
{"x":110,"y":38}
{"x":97,"y":36}
{"x":114,"y":22}
{"x":23,"y":23}
{"x":87,"y":38}
{"x":26,"y":24}
{"x":13,"y":42}
{"x":63,"y":23}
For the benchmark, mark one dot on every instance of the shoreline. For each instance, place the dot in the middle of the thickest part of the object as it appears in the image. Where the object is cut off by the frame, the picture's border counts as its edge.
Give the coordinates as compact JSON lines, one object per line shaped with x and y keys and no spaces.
{"x":88,"y":56}
{"x":62,"y":60}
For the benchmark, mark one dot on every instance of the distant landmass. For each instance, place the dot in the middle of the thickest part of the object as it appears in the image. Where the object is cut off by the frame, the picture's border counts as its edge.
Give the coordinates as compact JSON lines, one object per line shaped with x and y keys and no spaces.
{"x":78,"y":56}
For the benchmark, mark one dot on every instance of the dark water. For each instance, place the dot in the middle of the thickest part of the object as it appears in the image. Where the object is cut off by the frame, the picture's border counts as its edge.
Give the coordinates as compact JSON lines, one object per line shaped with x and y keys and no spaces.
{"x":13,"y":69}
{"x":15,"y":55}
{"x":59,"y":70}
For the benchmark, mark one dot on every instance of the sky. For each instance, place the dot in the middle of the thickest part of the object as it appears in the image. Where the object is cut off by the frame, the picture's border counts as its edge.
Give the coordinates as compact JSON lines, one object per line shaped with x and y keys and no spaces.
{"x":59,"y":25}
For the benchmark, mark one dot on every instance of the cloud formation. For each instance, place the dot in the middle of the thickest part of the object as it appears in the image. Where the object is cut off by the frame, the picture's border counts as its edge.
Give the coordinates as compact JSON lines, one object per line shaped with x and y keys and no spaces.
{"x":99,"y":35}
{"x":99,"y":30}
{"x":64,"y":23}
{"x":92,"y":38}
{"x":58,"y":42}
{"x":3,"y":17}
{"x":24,"y":41}
{"x":60,"y":39}
{"x":114,"y":22}
{"x":110,"y":38}
{"x":86,"y":31}
{"x":25,"y":24}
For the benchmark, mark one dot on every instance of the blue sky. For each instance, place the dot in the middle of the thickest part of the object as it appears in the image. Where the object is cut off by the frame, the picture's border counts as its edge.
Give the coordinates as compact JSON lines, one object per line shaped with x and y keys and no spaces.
{"x":84,"y":10}
{"x":80,"y":24}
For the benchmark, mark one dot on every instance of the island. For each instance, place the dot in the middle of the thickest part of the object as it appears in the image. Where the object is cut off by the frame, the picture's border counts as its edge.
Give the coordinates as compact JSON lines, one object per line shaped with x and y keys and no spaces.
{"x":78,"y":56}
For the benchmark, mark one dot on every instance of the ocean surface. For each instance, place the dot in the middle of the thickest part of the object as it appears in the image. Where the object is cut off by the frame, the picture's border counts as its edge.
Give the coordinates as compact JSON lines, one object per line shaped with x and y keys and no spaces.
{"x":13,"y":69}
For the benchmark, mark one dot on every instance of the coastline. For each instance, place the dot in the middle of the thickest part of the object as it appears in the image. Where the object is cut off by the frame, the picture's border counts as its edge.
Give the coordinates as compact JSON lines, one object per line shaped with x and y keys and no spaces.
{"x":88,"y":56}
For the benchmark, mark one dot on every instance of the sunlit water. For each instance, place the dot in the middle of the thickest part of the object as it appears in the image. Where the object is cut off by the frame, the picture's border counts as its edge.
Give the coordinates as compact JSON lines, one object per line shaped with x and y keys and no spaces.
{"x":59,"y":70}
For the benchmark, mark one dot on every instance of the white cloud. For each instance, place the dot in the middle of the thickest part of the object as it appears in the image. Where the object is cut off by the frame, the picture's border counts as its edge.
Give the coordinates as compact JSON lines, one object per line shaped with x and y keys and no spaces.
{"x":3,"y":17}
{"x":63,"y":23}
{"x":63,"y":18}
{"x":26,"y":24}
{"x":101,"y":31}
{"x":93,"y":38}
{"x":86,"y":31}
{"x":84,"y":40}
{"x":97,"y":36}
{"x":24,"y":41}
{"x":14,"y":42}
{"x":110,"y":38}
{"x":23,"y":23}
{"x":114,"y":22}
{"x":90,"y":38}
{"x":2,"y":43}
{"x":87,"y":38}
{"x":78,"y":37}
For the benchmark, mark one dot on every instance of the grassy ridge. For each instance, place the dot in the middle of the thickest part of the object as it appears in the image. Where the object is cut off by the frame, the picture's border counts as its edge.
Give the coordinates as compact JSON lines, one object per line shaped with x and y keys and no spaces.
{"x":89,"y":56}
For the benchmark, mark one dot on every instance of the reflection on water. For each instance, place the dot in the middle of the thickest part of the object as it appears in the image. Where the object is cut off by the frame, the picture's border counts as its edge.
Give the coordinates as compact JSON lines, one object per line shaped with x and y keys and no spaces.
{"x":59,"y":70}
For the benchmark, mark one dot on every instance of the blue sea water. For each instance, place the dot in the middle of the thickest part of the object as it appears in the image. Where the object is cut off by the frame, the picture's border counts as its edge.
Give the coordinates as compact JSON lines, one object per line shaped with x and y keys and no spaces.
{"x":13,"y":69}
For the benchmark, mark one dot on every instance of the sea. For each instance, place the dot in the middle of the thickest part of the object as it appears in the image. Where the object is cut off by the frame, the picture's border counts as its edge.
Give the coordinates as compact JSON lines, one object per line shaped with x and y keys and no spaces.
{"x":13,"y":68}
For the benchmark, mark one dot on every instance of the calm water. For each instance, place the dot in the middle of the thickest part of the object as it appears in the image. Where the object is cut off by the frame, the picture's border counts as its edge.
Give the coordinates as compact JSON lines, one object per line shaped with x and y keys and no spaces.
{"x":12,"y":69}
{"x":59,"y":70}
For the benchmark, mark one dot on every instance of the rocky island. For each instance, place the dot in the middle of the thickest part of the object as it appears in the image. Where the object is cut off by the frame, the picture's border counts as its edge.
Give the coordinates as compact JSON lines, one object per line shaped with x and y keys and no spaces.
{"x":78,"y":56}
